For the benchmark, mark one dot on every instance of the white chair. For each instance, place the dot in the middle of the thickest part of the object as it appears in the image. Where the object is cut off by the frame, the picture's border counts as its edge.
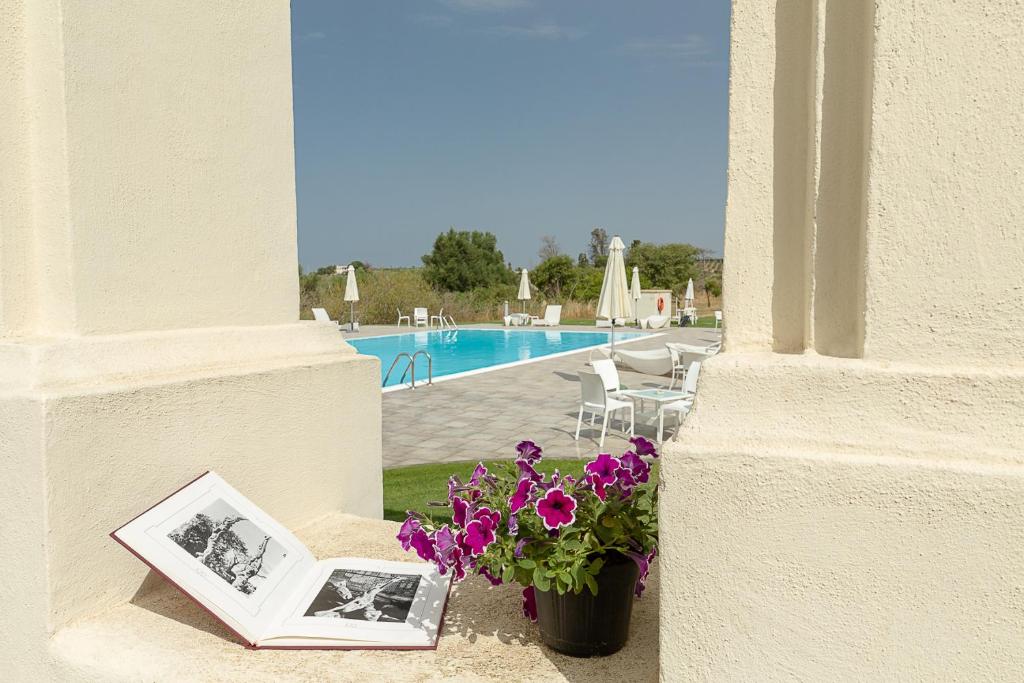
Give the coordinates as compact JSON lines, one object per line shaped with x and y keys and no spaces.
{"x":718,"y":319}
{"x":321,"y":316}
{"x":439,"y":318}
{"x":552,"y":317}
{"x":403,"y":317}
{"x":596,"y":400}
{"x":419,"y":317}
{"x":678,"y":366}
{"x":605,"y":368}
{"x":682,"y":407}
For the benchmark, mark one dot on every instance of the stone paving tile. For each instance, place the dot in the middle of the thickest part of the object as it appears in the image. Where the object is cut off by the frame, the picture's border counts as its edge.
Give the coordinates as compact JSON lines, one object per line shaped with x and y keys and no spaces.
{"x":484,"y":416}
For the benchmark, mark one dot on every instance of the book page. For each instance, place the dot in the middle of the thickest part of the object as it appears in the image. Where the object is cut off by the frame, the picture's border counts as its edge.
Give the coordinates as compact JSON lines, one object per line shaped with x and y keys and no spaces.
{"x":371,"y":601}
{"x":224,"y":551}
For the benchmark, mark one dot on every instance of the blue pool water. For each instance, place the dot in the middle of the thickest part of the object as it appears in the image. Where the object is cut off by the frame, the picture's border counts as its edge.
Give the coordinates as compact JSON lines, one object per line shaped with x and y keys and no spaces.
{"x":457,"y":351}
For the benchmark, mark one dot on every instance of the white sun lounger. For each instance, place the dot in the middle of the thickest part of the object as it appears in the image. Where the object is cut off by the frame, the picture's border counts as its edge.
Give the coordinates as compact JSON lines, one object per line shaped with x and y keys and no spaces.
{"x":654,"y":322}
{"x":552,"y":317}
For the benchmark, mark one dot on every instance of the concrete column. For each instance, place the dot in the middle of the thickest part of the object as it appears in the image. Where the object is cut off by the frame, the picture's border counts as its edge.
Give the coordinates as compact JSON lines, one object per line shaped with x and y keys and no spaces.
{"x":149,"y":297}
{"x":843,"y":502}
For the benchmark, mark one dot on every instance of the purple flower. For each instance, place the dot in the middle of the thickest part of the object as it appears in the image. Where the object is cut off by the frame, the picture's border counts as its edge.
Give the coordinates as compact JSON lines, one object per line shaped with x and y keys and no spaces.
{"x":637,"y":466}
{"x":513,"y":524}
{"x":526,"y":470}
{"x":643,"y":446}
{"x":603,"y":467}
{"x":488,"y":516}
{"x":409,"y":526}
{"x":479,"y":535}
{"x":424,"y":545}
{"x":478,"y":474}
{"x":594,"y":481}
{"x":644,"y":564}
{"x":556,"y":509}
{"x":495,"y":581}
{"x":445,"y":545}
{"x":518,"y":553}
{"x":529,"y":451}
{"x":460,"y":511}
{"x":521,"y":497}
{"x":454,"y":484}
{"x":529,"y":603}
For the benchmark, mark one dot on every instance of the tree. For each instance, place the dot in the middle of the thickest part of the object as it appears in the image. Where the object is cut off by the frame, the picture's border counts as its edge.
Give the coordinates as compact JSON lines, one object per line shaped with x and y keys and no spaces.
{"x":582,"y":261}
{"x":463,"y":260}
{"x":554,"y":274}
{"x":598,"y":247}
{"x":712,"y":288}
{"x":548,"y":248}
{"x":665,"y":266}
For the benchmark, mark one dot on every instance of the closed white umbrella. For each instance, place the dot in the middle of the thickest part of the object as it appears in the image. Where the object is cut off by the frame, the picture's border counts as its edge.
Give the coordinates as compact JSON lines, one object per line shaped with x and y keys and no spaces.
{"x":351,"y":295}
{"x":634,"y":292}
{"x":524,"y":288}
{"x":614,"y":301}
{"x":688,"y":299}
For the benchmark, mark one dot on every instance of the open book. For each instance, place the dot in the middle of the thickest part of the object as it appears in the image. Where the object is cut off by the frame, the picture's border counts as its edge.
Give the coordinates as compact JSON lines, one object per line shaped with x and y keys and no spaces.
{"x":253,"y":575}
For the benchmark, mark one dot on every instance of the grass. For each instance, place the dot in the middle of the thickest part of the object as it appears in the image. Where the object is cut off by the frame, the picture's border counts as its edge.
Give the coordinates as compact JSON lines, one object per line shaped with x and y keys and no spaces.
{"x":411,"y":488}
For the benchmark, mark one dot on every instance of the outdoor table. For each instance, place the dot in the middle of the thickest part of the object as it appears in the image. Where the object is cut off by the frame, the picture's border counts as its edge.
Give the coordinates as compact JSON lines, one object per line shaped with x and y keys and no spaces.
{"x":660,"y":398}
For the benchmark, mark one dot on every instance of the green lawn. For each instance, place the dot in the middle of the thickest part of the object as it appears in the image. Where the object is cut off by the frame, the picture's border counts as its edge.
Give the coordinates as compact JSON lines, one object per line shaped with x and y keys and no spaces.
{"x":704,"y":321}
{"x":411,"y":488}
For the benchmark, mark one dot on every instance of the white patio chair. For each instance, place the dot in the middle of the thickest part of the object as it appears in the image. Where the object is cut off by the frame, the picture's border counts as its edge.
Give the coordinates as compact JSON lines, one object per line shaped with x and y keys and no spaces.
{"x":718,"y":319}
{"x":419,"y":317}
{"x":678,"y":366}
{"x":321,"y":316}
{"x":552,"y":317}
{"x":401,"y":317}
{"x":439,"y":318}
{"x":682,"y":407}
{"x":605,"y":368}
{"x":594,"y":400}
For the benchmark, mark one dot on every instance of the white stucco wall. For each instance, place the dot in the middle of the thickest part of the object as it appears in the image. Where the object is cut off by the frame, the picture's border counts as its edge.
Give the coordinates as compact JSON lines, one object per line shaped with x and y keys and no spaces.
{"x":844,"y":507}
{"x":149,"y":298}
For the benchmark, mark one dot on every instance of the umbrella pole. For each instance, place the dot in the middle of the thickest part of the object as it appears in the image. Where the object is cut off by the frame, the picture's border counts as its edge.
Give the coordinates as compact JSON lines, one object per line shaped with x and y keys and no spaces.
{"x":352,"y":316}
{"x":611,"y":336}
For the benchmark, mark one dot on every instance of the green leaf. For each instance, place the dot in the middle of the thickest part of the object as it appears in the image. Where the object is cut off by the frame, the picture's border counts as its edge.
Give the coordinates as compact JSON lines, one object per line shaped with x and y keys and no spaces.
{"x":591,"y":584}
{"x":540,"y":581}
{"x":527,"y":563}
{"x":509,"y":574}
{"x":595,"y":566}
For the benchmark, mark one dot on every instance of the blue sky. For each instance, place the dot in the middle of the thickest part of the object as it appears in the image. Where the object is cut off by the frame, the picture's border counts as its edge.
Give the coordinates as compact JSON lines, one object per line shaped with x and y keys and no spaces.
{"x":521,"y":117}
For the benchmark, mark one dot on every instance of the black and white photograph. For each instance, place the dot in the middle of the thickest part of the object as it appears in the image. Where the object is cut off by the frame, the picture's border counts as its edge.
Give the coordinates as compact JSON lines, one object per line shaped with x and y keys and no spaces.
{"x":231,"y":546}
{"x":365,"y":596}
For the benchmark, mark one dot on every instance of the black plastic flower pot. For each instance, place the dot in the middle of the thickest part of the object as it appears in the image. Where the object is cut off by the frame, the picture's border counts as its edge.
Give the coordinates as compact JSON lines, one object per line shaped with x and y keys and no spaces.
{"x":586,"y":625}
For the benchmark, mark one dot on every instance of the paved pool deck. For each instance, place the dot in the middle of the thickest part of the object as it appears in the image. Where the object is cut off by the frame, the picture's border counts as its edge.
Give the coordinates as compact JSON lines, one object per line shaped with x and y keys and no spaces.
{"x":483,"y":416}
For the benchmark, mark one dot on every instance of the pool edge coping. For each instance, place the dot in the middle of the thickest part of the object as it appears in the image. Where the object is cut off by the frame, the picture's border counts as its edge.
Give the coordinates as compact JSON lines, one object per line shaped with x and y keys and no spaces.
{"x":512,"y":364}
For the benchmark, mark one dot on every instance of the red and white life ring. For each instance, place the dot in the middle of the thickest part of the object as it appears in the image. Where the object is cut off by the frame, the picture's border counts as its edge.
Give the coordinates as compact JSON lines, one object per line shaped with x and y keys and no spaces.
{"x":661,"y":304}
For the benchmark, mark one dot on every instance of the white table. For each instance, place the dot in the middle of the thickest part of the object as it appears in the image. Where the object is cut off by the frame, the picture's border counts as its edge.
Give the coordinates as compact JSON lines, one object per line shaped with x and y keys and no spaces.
{"x":660,"y":398}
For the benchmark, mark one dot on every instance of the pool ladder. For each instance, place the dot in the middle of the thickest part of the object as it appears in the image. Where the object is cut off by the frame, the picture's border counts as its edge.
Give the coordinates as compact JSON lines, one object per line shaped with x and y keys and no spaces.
{"x":411,"y":366}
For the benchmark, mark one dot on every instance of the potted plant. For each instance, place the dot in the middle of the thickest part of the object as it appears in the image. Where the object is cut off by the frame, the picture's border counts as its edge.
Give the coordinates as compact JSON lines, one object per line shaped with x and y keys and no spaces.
{"x":581,"y":548}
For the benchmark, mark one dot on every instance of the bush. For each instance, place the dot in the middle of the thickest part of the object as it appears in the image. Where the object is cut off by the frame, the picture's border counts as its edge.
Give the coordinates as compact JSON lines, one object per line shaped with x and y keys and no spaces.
{"x":463,"y":260}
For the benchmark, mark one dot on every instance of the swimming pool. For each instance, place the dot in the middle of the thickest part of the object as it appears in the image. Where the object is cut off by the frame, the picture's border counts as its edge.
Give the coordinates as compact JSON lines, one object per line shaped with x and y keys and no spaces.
{"x":455,"y":352}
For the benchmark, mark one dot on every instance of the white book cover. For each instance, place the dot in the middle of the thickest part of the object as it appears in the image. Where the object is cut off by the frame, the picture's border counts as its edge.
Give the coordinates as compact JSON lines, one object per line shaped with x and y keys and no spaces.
{"x":259,"y":580}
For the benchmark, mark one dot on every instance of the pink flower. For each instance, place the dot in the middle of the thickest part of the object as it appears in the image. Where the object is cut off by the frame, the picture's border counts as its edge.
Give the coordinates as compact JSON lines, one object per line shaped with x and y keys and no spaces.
{"x":595,"y":482}
{"x":529,"y":603}
{"x":495,"y":581}
{"x":643,"y":562}
{"x":409,"y":526}
{"x":603,"y":467}
{"x":526,"y":470}
{"x":424,"y":545}
{"x":529,"y":451}
{"x":488,"y":516}
{"x":478,"y":474}
{"x":479,"y":535}
{"x":460,"y":511}
{"x":521,"y":497}
{"x":643,"y":446}
{"x":556,"y":509}
{"x":636,"y":466}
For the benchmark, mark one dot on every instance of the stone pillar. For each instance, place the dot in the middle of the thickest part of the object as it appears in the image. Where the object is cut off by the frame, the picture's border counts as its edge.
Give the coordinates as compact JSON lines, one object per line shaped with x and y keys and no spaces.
{"x":149,"y":297}
{"x":844,"y":503}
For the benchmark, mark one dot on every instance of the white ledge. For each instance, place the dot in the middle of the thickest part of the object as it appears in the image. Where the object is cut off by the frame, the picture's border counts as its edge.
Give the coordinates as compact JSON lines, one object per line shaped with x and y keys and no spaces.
{"x":162,"y":635}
